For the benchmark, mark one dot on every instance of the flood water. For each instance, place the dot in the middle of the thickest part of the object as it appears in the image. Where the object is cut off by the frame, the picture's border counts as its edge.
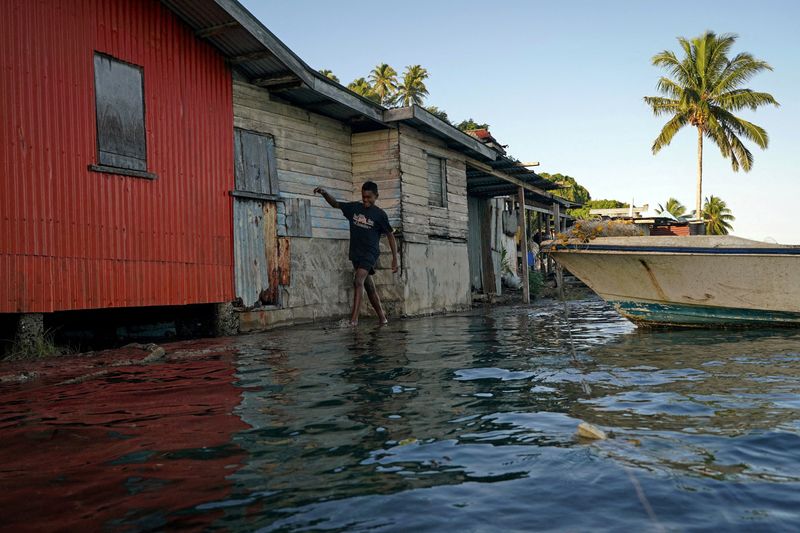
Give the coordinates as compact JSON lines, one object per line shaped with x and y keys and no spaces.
{"x":464,"y":423}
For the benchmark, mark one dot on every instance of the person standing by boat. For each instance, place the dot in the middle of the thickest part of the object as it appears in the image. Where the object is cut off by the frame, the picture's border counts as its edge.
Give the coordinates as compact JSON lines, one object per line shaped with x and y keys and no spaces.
{"x":367,"y":223}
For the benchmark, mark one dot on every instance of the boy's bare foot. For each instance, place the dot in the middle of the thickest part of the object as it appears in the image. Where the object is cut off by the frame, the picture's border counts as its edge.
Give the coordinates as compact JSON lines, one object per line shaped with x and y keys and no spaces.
{"x":353,"y":323}
{"x":384,"y":321}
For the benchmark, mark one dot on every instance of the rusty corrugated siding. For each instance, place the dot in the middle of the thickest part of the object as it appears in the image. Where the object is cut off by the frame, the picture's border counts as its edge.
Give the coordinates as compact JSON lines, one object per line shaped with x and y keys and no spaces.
{"x":678,"y":231}
{"x":75,"y":239}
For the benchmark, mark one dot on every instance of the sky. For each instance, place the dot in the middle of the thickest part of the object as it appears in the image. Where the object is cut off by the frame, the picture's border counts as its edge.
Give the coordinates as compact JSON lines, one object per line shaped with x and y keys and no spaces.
{"x":562,"y":83}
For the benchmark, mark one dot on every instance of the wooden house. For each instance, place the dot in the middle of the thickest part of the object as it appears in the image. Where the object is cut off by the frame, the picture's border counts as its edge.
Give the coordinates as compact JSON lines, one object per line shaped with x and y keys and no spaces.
{"x":163,"y":154}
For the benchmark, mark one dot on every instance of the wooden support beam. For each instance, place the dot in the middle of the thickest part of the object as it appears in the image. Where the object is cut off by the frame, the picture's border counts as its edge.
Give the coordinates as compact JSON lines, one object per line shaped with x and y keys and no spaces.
{"x":216,"y":30}
{"x":507,"y":177}
{"x":526,"y":290}
{"x":283,"y":80}
{"x":536,"y":209}
{"x":252,"y":56}
{"x":559,"y":270}
{"x":549,"y":262}
{"x":489,"y":280}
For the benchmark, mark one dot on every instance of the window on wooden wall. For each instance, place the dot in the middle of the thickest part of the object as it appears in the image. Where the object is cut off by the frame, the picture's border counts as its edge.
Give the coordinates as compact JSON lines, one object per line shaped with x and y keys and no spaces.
{"x":437,"y":181}
{"x":119,"y":106}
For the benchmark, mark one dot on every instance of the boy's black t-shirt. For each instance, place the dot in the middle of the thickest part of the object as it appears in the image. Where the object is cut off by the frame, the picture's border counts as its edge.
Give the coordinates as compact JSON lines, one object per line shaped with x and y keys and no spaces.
{"x":366,"y":227}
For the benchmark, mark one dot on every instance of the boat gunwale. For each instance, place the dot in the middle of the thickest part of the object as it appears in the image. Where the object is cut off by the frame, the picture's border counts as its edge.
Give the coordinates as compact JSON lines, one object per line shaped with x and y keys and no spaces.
{"x":671,"y":250}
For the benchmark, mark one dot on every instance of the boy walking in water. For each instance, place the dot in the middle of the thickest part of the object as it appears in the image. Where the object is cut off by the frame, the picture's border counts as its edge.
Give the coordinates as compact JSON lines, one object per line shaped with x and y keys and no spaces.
{"x":367,"y":223}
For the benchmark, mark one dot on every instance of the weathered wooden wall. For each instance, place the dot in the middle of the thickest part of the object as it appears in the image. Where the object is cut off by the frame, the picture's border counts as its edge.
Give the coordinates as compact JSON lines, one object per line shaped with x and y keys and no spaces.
{"x":312,"y":151}
{"x":421,"y":221}
{"x":376,"y":157}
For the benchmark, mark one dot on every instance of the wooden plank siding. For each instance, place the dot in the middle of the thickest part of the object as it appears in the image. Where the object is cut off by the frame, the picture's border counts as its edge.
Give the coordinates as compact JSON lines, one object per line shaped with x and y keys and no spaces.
{"x":311,"y":151}
{"x":421,"y":221}
{"x":376,"y":158}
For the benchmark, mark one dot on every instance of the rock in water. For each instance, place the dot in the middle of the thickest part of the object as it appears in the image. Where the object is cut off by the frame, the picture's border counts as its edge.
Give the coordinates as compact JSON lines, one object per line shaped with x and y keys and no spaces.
{"x":588,"y":431}
{"x":156,"y":354}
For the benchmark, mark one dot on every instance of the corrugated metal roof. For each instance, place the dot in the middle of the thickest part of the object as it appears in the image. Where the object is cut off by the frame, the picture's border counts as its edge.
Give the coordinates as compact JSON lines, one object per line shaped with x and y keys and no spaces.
{"x":258,"y":55}
{"x":422,"y":120}
{"x":480,"y":183}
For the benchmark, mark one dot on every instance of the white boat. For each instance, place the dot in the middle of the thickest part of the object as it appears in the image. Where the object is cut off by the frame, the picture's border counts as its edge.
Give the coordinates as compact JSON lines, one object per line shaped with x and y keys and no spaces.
{"x":689,"y":281}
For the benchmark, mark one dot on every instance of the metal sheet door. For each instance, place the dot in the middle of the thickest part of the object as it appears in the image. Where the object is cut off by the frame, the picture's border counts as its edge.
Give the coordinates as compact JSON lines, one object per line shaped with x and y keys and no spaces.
{"x":254,"y":216}
{"x":249,"y":247}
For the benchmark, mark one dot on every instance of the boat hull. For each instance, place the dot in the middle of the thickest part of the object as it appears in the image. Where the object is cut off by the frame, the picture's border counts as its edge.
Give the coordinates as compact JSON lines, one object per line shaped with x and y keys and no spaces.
{"x":691,"y":281}
{"x":659,"y":314}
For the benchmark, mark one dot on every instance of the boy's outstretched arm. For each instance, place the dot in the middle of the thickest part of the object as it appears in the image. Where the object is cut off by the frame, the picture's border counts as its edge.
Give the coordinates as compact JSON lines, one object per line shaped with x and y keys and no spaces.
{"x":328,"y":198}
{"x":393,"y":246}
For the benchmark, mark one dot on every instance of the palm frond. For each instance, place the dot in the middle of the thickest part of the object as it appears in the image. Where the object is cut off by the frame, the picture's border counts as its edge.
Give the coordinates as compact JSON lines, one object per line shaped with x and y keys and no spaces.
{"x":662,"y":106}
{"x":742,"y":127}
{"x":740,"y":70}
{"x":744,"y":98}
{"x":669,"y":62}
{"x":669,"y":130}
{"x":743,"y":156}
{"x":670,"y":88}
{"x":718,"y":58}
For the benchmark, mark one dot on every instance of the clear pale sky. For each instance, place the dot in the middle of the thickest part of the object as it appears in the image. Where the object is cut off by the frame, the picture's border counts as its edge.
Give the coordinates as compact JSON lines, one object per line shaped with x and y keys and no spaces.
{"x":562,"y":83}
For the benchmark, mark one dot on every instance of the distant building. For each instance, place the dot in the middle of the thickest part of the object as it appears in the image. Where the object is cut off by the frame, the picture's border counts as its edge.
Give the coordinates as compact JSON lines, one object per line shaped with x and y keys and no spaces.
{"x":653,"y":223}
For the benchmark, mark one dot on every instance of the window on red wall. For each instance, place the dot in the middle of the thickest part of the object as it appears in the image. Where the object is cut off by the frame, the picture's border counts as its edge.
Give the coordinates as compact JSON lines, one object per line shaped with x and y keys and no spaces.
{"x":119,"y":105}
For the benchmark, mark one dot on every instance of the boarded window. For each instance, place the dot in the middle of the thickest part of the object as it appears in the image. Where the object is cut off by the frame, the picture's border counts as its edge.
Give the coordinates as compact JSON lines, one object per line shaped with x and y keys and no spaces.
{"x":119,"y":105}
{"x":437,"y":181}
{"x":256,"y":166}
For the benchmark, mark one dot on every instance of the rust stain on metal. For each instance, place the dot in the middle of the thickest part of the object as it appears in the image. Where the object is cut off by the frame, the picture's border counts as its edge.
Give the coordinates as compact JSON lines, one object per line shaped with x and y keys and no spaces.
{"x":270,"y":295}
{"x":652,"y":277}
{"x":284,"y":261}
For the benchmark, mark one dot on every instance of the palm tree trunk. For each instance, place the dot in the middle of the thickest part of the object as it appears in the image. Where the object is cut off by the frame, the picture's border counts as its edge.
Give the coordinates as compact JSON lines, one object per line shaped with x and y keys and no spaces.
{"x":698,"y":214}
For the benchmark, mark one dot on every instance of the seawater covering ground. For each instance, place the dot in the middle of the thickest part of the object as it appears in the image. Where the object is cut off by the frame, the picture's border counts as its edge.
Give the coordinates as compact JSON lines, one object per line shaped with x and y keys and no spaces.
{"x":461,"y":422}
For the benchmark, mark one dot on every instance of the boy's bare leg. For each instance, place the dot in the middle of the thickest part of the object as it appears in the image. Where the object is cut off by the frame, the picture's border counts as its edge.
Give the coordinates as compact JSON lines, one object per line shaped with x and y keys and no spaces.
{"x":358,"y":285}
{"x":374,"y":299}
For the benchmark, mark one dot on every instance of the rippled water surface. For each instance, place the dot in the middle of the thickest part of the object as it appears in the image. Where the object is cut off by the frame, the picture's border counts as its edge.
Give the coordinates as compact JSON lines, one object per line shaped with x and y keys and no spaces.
{"x":461,"y":422}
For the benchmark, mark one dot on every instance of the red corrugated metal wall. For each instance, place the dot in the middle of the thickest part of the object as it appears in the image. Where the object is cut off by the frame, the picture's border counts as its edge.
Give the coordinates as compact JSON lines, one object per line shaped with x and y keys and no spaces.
{"x":75,"y":239}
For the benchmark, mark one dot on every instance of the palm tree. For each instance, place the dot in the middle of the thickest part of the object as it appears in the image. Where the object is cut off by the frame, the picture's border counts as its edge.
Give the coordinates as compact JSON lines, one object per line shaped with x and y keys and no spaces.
{"x":673,"y":207}
{"x":384,"y":82}
{"x":362,"y":87}
{"x":717,"y":216}
{"x":329,"y":74}
{"x":412,"y":90}
{"x":704,"y":90}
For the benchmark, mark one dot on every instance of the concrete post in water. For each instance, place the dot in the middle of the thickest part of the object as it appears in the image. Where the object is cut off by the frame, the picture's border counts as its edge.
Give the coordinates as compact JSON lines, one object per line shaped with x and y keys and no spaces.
{"x":526,"y":290}
{"x":226,"y":320}
{"x":30,"y":332}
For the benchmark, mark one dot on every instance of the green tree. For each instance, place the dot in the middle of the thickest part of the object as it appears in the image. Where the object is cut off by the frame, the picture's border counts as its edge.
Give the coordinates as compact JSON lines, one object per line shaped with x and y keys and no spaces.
{"x":704,"y":90}
{"x":674,"y":207}
{"x":570,"y":188}
{"x":412,"y":90}
{"x":439,"y":113}
{"x":363,"y":88}
{"x":583,"y":212}
{"x":329,"y":74}
{"x":469,"y":124}
{"x":384,"y":82}
{"x":718,"y":216}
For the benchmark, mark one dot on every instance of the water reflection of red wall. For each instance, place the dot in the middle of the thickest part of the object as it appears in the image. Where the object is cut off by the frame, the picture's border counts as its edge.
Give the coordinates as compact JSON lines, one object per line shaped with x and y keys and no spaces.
{"x":112,"y":451}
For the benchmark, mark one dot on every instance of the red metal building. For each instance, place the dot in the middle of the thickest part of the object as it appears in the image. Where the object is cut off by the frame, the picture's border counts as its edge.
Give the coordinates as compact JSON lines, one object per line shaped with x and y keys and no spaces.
{"x":95,"y":214}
